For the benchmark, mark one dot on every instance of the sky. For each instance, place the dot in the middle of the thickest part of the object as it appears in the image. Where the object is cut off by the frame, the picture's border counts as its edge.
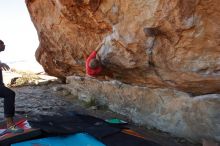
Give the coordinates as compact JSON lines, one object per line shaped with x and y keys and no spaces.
{"x":19,"y":35}
{"x":17,"y":31}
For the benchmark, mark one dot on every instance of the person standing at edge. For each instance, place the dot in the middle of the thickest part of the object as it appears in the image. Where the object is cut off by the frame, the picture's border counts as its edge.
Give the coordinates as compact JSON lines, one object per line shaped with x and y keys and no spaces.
{"x":9,"y":99}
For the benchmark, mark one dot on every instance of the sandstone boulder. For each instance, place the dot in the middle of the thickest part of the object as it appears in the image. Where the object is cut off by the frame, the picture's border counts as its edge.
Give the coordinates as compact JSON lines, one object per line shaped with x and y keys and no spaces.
{"x":184,"y":53}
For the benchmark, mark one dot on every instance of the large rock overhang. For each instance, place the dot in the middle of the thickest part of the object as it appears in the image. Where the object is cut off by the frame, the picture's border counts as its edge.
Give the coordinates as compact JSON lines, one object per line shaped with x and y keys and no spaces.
{"x":185,"y":53}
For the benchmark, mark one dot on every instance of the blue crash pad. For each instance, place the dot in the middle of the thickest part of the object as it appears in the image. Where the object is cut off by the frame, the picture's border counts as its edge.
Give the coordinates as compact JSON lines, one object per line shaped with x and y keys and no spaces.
{"x":80,"y":139}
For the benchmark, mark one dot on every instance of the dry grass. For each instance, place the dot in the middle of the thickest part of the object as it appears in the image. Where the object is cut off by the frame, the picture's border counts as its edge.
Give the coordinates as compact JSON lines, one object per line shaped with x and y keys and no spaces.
{"x":28,"y":78}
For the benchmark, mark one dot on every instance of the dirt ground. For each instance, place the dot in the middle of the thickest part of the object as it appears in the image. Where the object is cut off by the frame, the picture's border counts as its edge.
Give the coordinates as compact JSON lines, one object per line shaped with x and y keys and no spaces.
{"x":51,"y":99}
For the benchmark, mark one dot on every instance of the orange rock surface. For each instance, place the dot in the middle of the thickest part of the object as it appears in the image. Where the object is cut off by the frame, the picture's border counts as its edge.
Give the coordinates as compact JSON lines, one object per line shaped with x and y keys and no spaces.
{"x":154,"y":43}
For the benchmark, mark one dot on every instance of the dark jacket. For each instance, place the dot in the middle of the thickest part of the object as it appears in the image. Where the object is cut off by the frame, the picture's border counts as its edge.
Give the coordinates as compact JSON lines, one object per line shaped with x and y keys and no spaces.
{"x":1,"y":78}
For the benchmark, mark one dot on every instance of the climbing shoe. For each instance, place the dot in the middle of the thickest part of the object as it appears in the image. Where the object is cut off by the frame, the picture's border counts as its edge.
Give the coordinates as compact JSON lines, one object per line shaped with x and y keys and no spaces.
{"x":14,"y":129}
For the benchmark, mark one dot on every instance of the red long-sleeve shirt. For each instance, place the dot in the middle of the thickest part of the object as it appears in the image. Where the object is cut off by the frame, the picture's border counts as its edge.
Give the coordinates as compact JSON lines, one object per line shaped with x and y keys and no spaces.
{"x":90,"y":71}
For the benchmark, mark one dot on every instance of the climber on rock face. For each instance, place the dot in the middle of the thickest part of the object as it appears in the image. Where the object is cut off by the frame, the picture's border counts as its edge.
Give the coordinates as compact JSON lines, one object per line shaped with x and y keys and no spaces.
{"x":93,"y":63}
{"x":94,"y":67}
